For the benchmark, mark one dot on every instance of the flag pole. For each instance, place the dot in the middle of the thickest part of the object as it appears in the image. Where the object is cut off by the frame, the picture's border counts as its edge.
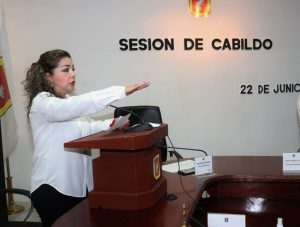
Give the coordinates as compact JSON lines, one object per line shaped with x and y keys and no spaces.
{"x":12,"y":208}
{"x":3,"y":202}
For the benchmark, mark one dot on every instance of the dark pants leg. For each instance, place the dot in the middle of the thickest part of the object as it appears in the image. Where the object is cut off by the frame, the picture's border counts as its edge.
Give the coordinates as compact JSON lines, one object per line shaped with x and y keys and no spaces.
{"x":51,"y":204}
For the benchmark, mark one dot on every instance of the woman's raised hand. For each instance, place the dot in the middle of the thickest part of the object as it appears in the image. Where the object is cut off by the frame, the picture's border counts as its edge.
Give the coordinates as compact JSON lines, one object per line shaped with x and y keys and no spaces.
{"x":135,"y":87}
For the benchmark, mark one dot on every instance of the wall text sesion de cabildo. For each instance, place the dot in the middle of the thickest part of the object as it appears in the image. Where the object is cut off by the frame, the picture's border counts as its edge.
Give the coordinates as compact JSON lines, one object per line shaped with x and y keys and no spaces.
{"x":168,"y":44}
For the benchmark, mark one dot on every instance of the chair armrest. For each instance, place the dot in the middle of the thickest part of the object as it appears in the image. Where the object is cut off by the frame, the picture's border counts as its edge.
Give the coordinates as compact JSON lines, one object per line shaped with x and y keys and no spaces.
{"x":16,"y":191}
{"x":20,"y":192}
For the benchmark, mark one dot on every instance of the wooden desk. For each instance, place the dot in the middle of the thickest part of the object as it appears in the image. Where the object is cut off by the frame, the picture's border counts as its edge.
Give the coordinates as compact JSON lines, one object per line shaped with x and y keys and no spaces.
{"x":255,"y":186}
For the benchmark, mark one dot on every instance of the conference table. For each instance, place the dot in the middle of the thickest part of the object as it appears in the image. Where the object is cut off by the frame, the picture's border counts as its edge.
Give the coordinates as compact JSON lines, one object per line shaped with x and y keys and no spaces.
{"x":254,"y":186}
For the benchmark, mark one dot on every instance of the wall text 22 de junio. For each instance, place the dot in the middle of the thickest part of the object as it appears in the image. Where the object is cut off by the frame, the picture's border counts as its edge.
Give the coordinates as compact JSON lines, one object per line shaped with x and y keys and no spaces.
{"x":249,"y":89}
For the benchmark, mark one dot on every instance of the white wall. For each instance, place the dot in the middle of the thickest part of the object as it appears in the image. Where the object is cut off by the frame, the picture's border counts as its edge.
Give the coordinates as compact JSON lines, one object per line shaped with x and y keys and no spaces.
{"x":197,"y":91}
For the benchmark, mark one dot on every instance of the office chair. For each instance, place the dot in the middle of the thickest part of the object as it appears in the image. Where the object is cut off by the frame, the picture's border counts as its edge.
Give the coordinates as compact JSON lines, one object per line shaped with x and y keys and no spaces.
{"x":147,"y":114}
{"x":23,"y":223}
{"x":150,"y":114}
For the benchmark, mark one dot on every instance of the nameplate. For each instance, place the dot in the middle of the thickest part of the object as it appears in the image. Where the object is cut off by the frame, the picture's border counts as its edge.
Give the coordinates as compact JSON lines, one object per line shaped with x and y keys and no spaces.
{"x":226,"y":220}
{"x":203,"y":165}
{"x":291,"y":162}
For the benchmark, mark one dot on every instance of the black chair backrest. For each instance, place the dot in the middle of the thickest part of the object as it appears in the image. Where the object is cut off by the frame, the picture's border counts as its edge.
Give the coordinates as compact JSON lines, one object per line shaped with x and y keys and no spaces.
{"x":147,"y":114}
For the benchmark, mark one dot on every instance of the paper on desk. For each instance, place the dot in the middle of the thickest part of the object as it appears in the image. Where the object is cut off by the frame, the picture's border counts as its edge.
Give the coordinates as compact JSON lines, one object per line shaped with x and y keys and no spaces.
{"x":173,"y":168}
{"x":119,"y":122}
{"x":154,"y":125}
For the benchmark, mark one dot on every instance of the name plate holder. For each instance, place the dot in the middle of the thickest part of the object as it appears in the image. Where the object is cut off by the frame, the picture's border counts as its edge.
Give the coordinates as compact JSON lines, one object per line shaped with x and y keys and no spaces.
{"x":226,"y":220}
{"x":203,"y":165}
{"x":291,"y":162}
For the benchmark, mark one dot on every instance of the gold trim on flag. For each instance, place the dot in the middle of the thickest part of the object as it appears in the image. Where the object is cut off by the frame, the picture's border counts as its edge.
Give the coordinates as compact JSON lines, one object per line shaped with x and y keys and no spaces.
{"x":1,"y":61}
{"x":5,"y":107}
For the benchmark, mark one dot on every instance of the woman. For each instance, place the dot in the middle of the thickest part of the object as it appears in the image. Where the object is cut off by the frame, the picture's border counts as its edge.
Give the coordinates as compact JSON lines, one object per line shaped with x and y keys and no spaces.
{"x":61,"y":177}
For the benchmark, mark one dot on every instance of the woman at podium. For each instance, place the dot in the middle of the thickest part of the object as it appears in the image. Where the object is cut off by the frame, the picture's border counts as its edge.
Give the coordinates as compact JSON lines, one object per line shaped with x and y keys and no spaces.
{"x":60,"y":177}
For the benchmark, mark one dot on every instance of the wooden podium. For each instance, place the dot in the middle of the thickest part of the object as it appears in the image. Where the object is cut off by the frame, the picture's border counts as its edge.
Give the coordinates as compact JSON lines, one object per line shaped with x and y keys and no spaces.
{"x":128,"y":174}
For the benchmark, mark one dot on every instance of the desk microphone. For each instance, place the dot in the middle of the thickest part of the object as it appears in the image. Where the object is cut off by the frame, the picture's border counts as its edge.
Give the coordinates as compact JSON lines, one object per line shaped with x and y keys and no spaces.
{"x":177,"y":155}
{"x":141,"y":126}
{"x":172,"y":152}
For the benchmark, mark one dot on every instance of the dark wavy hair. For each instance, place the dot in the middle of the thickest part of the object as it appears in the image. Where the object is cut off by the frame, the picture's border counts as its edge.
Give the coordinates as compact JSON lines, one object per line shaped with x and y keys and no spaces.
{"x":36,"y":81}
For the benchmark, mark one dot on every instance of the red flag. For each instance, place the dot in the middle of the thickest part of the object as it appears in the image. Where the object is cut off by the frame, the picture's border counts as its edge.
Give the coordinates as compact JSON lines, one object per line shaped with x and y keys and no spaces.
{"x":8,"y":121}
{"x":5,"y":101}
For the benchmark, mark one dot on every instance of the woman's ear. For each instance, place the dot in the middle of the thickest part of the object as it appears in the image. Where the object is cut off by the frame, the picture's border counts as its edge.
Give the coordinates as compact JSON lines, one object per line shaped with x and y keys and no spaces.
{"x":48,"y":77}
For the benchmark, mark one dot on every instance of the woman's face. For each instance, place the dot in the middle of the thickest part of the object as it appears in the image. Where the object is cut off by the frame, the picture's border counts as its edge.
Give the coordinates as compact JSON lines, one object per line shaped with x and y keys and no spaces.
{"x":63,"y":77}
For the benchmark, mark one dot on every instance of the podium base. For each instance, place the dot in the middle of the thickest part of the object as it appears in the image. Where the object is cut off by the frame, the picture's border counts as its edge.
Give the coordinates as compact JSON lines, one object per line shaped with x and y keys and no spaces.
{"x":128,"y":201}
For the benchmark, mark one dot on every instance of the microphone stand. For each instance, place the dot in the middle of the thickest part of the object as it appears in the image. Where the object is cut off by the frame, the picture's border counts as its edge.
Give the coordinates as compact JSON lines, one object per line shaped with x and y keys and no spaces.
{"x":195,"y":222}
{"x":178,"y":156}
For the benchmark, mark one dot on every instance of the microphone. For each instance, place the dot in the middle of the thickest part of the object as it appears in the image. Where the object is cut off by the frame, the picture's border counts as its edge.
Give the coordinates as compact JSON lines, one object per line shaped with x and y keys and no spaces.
{"x":177,"y":155}
{"x":141,"y":126}
{"x":173,"y":152}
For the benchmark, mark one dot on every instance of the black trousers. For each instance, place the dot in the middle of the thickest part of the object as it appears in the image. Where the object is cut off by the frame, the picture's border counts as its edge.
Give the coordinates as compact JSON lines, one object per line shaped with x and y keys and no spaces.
{"x":51,"y":204}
